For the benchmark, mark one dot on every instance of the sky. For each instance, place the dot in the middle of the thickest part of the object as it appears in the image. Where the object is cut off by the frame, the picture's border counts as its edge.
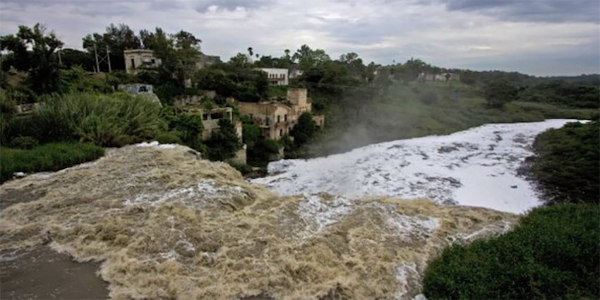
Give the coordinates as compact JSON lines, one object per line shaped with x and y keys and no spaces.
{"x":537,"y":37}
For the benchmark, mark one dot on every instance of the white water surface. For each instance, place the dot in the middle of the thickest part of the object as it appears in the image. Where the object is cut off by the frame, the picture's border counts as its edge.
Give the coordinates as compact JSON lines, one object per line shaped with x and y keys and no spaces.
{"x":475,"y":167}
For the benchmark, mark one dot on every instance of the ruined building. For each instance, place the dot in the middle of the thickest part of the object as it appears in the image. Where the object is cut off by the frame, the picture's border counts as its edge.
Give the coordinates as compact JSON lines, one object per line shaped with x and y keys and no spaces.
{"x":278,"y":118}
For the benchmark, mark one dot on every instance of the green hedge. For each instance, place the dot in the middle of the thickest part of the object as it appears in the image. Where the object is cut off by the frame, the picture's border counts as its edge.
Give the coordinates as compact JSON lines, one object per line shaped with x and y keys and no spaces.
{"x":566,"y":163}
{"x":553,"y":253}
{"x":49,"y":157}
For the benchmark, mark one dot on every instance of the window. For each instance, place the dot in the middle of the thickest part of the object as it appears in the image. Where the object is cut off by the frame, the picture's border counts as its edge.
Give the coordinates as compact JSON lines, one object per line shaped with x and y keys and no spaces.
{"x":267,"y":121}
{"x":285,"y":118}
{"x":132,"y":63}
{"x":153,"y":61}
{"x":280,"y":132}
{"x":278,"y":119}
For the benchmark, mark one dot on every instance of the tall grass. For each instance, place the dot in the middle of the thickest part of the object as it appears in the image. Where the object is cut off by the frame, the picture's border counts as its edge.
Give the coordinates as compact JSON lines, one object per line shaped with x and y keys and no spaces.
{"x":49,"y":157}
{"x":106,"y":120}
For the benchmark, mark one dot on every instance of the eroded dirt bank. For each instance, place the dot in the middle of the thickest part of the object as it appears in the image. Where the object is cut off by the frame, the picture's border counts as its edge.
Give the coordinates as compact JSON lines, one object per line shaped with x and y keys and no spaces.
{"x":164,"y":224}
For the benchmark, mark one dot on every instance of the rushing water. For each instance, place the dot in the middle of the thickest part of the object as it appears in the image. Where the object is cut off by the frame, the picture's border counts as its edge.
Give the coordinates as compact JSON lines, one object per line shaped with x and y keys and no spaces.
{"x":476,"y":167}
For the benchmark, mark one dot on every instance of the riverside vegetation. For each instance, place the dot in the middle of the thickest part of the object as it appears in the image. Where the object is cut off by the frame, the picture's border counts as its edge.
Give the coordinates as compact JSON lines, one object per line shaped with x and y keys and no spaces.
{"x":554,"y":251}
{"x":80,"y":113}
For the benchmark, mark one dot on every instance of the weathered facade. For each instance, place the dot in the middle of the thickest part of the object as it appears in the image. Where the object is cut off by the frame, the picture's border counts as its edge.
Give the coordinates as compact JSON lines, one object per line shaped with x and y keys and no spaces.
{"x":277,"y":119}
{"x":137,"y":60}
{"x":426,"y":77}
{"x":140,"y":89}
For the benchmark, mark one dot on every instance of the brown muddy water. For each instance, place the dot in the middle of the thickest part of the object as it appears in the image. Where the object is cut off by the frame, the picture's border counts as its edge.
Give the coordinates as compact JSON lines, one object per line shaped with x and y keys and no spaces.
{"x":162,"y":223}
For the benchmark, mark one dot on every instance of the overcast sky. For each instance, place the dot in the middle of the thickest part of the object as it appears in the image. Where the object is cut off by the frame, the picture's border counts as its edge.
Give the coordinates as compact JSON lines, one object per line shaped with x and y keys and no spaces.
{"x":539,"y":37}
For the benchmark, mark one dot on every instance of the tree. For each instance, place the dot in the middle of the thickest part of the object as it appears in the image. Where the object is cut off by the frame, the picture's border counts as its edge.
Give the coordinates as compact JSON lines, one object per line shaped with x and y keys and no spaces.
{"x":190,"y":126}
{"x":239,"y":61}
{"x":498,"y":93}
{"x":118,"y":38}
{"x":71,"y":57}
{"x":308,"y":57}
{"x":223,"y":144}
{"x":33,"y":51}
{"x":304,"y":130}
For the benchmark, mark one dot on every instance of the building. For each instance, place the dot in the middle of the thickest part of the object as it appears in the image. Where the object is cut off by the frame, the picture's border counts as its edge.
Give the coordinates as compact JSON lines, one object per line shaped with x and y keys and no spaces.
{"x":139,"y":59}
{"x":426,"y":77}
{"x":140,"y":89}
{"x":278,"y":118}
{"x":277,"y":76}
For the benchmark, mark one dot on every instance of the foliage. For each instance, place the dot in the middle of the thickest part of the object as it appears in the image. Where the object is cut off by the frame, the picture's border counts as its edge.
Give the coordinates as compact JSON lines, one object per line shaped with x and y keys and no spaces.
{"x":552,"y":254}
{"x":77,"y":80}
{"x":32,"y":50}
{"x":242,"y":168}
{"x":24,"y":142}
{"x":168,"y":138}
{"x":7,"y":112}
{"x":49,"y":157}
{"x":190,"y":127}
{"x":117,"y":38}
{"x":498,"y":93}
{"x":304,"y":130}
{"x":428,"y":97}
{"x":100,"y":119}
{"x":244,"y":84}
{"x":251,"y":134}
{"x":72,"y":57}
{"x":563,"y":93}
{"x":566,"y":163}
{"x":223,"y":144}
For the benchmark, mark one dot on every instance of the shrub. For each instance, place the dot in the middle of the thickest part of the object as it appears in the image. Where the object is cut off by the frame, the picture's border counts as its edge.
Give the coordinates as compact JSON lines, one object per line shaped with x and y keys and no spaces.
{"x":553,"y":253}
{"x":168,"y":138}
{"x":24,"y":142}
{"x":242,"y":168}
{"x":100,"y":119}
{"x":49,"y":157}
{"x":566,"y":163}
{"x":428,"y":97}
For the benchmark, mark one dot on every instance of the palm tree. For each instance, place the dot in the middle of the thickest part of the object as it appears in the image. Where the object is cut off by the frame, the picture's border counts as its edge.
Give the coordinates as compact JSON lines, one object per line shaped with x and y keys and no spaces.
{"x":250,"y":51}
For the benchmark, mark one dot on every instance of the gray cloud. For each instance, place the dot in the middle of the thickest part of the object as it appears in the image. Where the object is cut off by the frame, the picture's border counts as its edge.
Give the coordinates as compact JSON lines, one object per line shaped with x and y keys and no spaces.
{"x":230,"y":5}
{"x":530,"y":10}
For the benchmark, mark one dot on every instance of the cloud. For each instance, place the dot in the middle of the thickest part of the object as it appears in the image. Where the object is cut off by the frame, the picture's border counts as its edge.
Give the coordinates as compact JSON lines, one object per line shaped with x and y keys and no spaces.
{"x":487,"y":34}
{"x":205,"y":5}
{"x":531,"y":10}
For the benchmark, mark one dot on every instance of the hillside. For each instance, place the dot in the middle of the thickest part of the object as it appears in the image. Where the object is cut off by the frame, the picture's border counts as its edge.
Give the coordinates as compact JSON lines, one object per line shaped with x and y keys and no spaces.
{"x":166,"y":224}
{"x":407,"y":110}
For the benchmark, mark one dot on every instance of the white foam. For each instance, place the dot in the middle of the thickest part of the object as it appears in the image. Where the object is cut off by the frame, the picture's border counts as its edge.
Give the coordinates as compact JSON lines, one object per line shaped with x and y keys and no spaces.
{"x":476,"y":167}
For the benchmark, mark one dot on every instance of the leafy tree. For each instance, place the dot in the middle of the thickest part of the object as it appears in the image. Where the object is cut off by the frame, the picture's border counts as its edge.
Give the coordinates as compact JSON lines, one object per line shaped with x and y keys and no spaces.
{"x":304,"y":130}
{"x":118,"y":38}
{"x":499,"y":93}
{"x":240,"y":61}
{"x":190,"y":127}
{"x":72,"y":57}
{"x":251,"y":134}
{"x":308,"y":57}
{"x":33,"y":51}
{"x":223,"y":144}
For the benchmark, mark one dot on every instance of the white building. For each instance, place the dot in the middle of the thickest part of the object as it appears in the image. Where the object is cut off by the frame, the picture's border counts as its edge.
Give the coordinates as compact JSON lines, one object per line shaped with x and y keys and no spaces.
{"x":277,"y":76}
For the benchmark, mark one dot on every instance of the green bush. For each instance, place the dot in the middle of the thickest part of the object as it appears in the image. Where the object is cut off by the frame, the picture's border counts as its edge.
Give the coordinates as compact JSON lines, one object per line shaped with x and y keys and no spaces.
{"x":566,"y":163}
{"x":168,"y":138}
{"x":49,"y":157}
{"x":100,"y":119}
{"x":428,"y":97}
{"x":553,"y":253}
{"x":24,"y":142}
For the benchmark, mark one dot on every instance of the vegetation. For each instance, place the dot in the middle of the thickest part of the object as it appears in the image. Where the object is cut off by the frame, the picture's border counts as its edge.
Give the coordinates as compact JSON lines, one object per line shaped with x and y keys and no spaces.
{"x":498,"y":93}
{"x":566,"y":163}
{"x":223,"y":144}
{"x":552,"y":254}
{"x":49,"y":157}
{"x":100,"y":119}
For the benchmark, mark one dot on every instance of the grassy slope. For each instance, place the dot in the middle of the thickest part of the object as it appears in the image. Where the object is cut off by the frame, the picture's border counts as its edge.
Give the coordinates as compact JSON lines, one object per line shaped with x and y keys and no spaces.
{"x":49,"y":157}
{"x":402,"y":115}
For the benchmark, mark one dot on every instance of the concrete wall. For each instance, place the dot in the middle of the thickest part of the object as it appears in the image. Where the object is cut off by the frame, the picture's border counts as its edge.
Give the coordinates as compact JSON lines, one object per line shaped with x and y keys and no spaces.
{"x":139,"y":59}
